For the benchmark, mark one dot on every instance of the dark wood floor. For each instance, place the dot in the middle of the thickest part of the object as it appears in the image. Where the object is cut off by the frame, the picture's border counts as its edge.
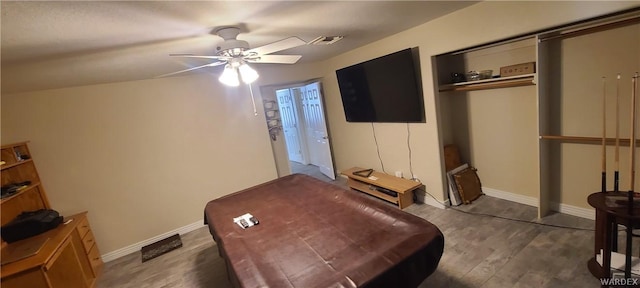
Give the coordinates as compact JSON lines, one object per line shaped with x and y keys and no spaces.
{"x":479,"y":252}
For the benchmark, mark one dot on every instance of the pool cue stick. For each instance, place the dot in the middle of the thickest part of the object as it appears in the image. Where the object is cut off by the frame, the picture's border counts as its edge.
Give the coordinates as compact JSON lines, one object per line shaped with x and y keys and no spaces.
{"x":632,"y":139}
{"x":604,"y":136}
{"x":616,"y":173}
{"x":627,"y":266}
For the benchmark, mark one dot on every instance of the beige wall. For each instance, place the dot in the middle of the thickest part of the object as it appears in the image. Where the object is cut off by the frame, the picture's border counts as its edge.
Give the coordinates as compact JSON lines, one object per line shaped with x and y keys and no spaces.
{"x":142,"y":157}
{"x":580,"y":100}
{"x":504,"y":139}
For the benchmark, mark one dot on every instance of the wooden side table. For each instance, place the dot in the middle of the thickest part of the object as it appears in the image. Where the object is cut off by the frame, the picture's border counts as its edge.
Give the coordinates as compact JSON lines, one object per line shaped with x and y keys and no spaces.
{"x":608,"y":217}
{"x":396,"y":190}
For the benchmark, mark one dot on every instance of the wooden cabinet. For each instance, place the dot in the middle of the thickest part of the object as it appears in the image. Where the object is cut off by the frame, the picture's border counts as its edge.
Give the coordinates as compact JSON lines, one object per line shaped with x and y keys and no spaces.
{"x":396,"y":190}
{"x":64,"y":267}
{"x":90,"y":249}
{"x":69,"y":258}
{"x":65,"y":257}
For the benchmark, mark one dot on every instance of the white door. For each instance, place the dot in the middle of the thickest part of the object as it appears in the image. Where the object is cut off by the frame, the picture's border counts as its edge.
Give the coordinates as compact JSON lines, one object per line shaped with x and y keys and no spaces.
{"x":289,"y":124}
{"x":297,"y":94}
{"x":316,"y":127}
{"x":310,"y":124}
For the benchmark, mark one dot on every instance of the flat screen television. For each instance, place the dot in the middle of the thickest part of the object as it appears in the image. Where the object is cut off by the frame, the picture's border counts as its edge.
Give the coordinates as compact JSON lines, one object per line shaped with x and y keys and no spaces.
{"x":384,"y":89}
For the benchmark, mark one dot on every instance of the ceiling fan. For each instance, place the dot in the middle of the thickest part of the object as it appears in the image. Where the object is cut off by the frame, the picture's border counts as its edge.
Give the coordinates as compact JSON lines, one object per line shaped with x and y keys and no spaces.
{"x":235,"y":54}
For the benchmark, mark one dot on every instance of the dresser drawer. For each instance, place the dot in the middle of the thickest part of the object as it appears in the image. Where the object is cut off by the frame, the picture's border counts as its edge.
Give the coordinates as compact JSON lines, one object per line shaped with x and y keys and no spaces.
{"x":95,"y":260}
{"x":83,"y":227}
{"x":88,"y":241}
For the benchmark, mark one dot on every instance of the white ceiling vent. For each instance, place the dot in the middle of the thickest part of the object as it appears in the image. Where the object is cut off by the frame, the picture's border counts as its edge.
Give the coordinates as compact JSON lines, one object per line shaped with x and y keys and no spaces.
{"x":325,"y":40}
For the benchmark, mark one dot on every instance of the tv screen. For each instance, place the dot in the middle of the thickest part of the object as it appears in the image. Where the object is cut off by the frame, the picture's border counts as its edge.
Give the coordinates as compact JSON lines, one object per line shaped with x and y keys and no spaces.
{"x":385,"y":89}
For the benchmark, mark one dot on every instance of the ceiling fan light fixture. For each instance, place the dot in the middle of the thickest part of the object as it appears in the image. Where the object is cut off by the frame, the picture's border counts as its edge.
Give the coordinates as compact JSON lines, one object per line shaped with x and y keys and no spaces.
{"x":247,"y":73}
{"x":229,"y":76}
{"x":236,"y":53}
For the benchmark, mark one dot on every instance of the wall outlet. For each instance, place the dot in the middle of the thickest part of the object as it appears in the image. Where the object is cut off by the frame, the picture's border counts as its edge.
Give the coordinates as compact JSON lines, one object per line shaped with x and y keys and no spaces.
{"x":399,"y":174}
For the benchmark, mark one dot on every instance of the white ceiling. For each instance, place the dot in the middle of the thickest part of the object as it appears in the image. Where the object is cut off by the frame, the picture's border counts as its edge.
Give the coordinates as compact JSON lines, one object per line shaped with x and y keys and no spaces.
{"x":60,"y":44}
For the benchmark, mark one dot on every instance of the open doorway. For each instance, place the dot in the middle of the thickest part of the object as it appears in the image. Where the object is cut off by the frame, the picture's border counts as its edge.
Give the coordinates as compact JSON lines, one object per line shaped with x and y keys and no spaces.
{"x":304,"y":131}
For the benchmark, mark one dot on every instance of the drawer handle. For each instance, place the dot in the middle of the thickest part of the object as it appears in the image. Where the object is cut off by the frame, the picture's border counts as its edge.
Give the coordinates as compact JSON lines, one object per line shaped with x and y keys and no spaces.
{"x":96,"y":259}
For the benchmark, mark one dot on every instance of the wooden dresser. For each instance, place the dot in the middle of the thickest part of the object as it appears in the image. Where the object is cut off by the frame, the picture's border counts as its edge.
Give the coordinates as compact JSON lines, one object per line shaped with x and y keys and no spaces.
{"x":66,"y":256}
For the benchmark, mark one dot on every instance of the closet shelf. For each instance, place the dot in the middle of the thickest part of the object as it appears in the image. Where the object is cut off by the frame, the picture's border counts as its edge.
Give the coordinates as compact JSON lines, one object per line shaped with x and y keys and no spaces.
{"x":493,"y":83}
{"x":587,"y":140}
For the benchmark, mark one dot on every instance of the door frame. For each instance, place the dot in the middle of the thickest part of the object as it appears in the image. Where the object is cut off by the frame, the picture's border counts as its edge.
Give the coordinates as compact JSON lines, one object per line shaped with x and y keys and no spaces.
{"x":282,"y":159}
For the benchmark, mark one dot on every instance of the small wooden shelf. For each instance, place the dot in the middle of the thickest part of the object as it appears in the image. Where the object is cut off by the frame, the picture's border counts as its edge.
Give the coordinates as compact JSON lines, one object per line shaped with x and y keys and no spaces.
{"x":361,"y":186}
{"x":493,"y":83}
{"x":7,"y":166}
{"x":28,"y":188}
{"x":587,"y":140}
{"x":402,"y":187}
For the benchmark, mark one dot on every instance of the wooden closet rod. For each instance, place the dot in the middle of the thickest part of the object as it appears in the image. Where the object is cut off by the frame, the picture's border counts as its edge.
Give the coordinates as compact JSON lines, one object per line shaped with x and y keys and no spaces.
{"x":593,"y":29}
{"x":587,"y":140}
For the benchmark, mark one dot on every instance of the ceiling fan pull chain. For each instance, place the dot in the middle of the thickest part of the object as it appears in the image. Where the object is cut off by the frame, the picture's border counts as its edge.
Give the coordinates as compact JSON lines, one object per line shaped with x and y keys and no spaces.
{"x":253,"y":101}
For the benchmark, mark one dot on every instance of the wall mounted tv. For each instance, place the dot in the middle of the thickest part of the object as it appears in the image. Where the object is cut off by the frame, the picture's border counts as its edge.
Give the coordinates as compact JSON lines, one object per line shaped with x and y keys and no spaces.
{"x":384,"y":89}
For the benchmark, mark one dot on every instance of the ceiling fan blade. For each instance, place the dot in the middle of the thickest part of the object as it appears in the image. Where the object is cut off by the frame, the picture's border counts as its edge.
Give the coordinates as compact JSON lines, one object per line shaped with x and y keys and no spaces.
{"x":201,"y":56}
{"x":190,"y":69}
{"x":277,"y":46}
{"x":280,"y":59}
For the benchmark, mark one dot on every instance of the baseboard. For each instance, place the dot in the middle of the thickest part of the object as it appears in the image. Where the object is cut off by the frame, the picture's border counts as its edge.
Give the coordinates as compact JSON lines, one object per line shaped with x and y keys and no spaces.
{"x":532,"y":201}
{"x":573,"y":210}
{"x":526,"y":200}
{"x":426,"y":199}
{"x":137,"y":246}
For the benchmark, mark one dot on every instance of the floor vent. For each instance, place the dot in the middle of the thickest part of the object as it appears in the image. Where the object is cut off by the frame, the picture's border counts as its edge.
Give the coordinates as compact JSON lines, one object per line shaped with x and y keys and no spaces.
{"x":161,"y":247}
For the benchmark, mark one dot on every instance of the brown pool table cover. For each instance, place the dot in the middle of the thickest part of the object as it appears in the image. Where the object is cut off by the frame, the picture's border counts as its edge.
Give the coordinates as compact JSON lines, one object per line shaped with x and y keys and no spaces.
{"x":315,"y":234}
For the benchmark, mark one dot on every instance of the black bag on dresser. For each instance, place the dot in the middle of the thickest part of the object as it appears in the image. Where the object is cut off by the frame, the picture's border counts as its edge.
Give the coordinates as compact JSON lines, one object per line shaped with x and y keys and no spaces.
{"x":30,"y":223}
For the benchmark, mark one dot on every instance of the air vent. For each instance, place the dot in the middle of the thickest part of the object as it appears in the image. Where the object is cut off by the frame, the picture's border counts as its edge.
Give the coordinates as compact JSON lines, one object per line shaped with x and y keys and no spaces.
{"x":325,"y":40}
